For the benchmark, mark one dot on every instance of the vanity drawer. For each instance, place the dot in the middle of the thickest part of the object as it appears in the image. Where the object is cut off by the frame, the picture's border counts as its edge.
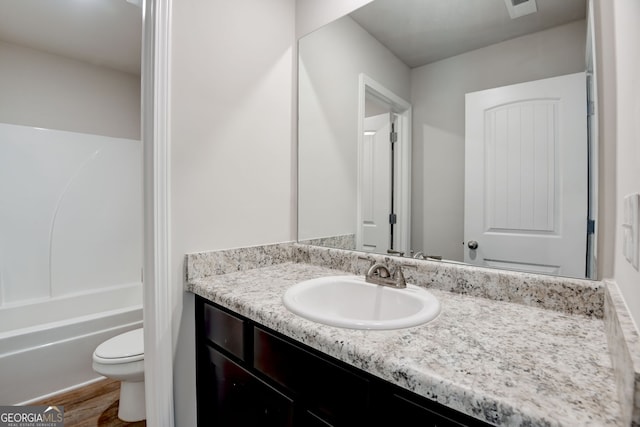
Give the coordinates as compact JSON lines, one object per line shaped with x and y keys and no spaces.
{"x":224,"y":330}
{"x":334,"y":394}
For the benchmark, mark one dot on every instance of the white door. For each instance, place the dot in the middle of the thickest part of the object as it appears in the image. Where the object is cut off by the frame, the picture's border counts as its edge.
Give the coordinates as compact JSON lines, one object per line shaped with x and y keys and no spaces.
{"x":375,"y":182}
{"x":526,"y":176}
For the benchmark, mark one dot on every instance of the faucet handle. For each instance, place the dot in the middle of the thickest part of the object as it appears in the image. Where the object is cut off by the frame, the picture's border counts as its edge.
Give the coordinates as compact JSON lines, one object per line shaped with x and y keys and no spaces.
{"x":398,"y":276}
{"x":394,"y":252}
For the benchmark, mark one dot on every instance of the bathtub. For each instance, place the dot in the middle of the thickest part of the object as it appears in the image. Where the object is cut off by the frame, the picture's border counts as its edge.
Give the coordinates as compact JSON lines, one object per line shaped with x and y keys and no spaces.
{"x":70,"y":255}
{"x":46,"y":345}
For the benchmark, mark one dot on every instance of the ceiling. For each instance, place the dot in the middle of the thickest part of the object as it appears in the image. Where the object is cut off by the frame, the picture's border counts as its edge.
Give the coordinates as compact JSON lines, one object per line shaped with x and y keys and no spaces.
{"x":424,"y":31}
{"x":102,"y":32}
{"x":108,"y":32}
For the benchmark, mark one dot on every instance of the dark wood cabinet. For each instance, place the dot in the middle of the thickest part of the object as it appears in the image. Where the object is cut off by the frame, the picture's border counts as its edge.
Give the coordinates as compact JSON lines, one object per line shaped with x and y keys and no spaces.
{"x":239,"y":399}
{"x":249,"y":375}
{"x":330,"y":392}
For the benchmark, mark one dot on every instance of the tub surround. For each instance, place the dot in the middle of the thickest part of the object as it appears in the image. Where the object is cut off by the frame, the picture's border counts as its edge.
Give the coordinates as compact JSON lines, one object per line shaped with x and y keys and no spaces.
{"x":508,"y":348}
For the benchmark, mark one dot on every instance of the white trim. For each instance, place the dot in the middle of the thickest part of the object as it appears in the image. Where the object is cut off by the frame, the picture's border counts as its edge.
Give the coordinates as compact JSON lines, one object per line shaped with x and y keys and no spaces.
{"x":157,"y":301}
{"x":593,"y":132}
{"x":360,"y":120}
{"x":403,"y":161}
{"x":403,"y":179}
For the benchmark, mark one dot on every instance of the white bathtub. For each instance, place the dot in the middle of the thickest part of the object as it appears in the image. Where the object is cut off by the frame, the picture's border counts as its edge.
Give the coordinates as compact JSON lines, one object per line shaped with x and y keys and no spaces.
{"x":46,"y":346}
{"x":70,"y":254}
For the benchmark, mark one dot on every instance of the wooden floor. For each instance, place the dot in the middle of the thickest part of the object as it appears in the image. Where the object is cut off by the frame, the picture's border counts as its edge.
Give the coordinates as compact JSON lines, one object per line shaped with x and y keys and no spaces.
{"x":92,"y":405}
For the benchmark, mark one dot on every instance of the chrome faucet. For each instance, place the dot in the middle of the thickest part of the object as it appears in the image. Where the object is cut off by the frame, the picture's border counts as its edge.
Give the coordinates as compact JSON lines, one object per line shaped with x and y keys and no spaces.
{"x":421,"y":255}
{"x":394,"y":252}
{"x":379,"y":274}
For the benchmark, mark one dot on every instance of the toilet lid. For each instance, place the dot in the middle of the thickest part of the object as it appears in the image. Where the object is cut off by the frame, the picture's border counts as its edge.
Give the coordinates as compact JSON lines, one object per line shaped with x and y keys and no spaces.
{"x":125,"y":345}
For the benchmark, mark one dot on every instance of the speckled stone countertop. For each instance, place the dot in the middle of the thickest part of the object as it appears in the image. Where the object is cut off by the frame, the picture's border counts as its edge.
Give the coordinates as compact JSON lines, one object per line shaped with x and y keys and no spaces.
{"x":501,"y":362}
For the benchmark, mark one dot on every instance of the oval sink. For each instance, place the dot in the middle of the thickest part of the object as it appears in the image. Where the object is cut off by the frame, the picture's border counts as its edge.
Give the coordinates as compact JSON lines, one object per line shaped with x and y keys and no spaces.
{"x":350,"y":302}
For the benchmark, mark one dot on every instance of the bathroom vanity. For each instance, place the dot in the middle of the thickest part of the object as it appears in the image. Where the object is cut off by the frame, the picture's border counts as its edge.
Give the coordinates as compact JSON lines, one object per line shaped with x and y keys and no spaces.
{"x":250,"y":375}
{"x":505,"y":357}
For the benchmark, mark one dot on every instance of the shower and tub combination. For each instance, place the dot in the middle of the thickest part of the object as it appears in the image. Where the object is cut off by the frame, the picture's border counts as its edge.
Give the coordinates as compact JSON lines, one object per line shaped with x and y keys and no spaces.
{"x":70,"y":255}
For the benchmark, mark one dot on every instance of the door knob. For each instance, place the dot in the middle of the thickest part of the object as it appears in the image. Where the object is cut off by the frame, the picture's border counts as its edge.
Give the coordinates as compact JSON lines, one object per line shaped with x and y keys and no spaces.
{"x":472,"y":244}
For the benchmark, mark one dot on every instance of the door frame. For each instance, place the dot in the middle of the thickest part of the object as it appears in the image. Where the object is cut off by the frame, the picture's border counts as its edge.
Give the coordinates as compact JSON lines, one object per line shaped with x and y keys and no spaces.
{"x":158,"y":301}
{"x":402,"y":192}
{"x":593,"y":138}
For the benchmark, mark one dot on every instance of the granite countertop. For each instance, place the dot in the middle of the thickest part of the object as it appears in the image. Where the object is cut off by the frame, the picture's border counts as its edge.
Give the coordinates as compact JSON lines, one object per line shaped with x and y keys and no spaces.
{"x":501,"y":362}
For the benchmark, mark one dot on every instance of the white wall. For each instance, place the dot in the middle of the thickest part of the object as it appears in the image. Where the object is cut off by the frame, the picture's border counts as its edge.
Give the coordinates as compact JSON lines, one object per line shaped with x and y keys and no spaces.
{"x":331,"y":60}
{"x":51,"y":91}
{"x":626,"y":33}
{"x":438,"y":91}
{"x":232,"y":146}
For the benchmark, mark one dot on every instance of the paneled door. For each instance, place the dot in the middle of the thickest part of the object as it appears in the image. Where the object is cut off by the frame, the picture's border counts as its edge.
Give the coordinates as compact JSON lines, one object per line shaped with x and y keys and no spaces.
{"x":526,"y":165}
{"x":375,"y":184}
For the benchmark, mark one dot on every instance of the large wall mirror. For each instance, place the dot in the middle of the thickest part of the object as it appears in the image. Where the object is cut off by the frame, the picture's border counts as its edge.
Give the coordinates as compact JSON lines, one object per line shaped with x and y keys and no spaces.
{"x":452,"y":130}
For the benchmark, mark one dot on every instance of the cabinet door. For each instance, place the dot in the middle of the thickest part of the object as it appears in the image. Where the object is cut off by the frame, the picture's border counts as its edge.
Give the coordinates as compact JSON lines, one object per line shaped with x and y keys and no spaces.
{"x":334,"y":394}
{"x":239,"y":399}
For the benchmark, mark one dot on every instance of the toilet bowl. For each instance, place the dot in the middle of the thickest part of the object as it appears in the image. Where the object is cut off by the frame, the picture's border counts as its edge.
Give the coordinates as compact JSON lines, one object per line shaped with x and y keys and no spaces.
{"x":122,"y":358}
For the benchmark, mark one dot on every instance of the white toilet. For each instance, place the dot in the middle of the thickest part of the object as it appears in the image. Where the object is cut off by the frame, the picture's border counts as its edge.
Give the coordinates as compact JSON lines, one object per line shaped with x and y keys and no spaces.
{"x":122,"y":358}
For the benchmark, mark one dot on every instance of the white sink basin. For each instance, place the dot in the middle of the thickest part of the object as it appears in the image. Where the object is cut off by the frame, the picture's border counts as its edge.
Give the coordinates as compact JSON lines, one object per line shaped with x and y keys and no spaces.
{"x":350,"y":302}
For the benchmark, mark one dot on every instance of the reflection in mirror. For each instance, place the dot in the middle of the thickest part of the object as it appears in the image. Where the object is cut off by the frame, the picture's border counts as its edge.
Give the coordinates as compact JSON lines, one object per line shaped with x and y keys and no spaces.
{"x":438,"y":55}
{"x":384,"y":169}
